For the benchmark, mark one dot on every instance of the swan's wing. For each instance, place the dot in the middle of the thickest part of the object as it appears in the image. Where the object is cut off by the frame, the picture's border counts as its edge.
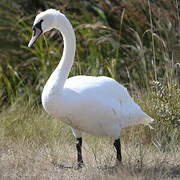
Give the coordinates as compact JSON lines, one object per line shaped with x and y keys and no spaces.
{"x":110,"y":93}
{"x":101,"y":85}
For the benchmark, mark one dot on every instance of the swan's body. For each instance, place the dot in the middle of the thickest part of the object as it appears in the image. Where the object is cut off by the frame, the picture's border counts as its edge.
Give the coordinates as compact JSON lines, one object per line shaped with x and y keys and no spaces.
{"x":97,"y":105}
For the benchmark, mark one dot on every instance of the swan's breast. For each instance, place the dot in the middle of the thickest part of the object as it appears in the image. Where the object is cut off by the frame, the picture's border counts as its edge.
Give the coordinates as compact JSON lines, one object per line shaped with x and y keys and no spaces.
{"x":50,"y":101}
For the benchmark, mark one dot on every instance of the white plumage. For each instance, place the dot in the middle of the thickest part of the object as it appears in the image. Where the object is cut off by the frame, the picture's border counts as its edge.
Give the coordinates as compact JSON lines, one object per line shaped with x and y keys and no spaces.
{"x":97,"y":105}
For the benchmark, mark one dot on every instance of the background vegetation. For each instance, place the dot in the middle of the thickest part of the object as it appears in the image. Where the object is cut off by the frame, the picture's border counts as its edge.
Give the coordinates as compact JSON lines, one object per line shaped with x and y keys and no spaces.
{"x":136,"y":42}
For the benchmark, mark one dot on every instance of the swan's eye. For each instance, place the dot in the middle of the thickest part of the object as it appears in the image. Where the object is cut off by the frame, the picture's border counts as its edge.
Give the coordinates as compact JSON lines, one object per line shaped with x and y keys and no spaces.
{"x":39,"y":25}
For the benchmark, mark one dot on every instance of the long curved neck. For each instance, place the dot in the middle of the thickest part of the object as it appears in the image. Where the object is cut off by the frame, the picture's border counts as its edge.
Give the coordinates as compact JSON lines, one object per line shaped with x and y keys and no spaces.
{"x":60,"y":74}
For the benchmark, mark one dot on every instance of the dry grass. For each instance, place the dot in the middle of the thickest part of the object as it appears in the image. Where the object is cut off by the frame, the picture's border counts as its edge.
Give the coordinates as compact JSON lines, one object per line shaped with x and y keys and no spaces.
{"x":28,"y":160}
{"x":30,"y":140}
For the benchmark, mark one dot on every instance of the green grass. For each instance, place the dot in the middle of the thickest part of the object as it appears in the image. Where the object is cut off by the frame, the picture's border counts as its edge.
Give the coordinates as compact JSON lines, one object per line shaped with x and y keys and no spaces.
{"x":132,"y":51}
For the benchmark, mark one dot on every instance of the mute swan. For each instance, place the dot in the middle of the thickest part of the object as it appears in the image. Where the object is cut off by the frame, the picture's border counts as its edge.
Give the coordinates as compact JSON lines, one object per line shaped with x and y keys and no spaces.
{"x":97,"y":105}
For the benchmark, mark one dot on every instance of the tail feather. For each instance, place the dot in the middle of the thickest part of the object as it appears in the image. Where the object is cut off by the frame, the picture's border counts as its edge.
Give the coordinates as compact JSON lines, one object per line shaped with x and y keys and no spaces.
{"x":147,"y":119}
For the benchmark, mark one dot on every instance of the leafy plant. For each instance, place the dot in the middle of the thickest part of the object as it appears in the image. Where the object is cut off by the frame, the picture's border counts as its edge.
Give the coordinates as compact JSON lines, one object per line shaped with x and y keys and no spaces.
{"x":166,"y":105}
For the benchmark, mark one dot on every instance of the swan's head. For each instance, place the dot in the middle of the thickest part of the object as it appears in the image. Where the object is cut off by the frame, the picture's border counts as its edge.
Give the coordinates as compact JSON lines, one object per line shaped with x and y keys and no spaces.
{"x":44,"y":21}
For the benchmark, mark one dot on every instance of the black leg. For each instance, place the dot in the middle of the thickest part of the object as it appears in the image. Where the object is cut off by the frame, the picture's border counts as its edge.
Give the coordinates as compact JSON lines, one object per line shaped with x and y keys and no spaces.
{"x":117,"y":145}
{"x":79,"y":151}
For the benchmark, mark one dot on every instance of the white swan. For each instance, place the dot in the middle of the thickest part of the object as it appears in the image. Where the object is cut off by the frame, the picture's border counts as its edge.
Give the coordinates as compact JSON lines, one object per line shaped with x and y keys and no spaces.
{"x":97,"y":105}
